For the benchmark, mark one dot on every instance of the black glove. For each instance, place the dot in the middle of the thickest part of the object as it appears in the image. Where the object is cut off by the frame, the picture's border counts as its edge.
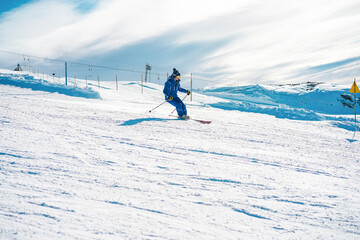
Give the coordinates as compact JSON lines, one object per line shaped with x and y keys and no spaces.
{"x":188,"y":92}
{"x":169,"y":98}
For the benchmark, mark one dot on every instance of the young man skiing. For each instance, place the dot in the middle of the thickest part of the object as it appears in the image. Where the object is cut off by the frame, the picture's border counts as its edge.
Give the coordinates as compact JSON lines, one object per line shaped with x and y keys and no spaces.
{"x":172,"y":86}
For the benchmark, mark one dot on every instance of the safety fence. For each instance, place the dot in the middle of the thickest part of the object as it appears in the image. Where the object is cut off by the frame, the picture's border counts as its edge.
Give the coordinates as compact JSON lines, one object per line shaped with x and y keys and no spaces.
{"x":84,"y":74}
{"x":70,"y":72}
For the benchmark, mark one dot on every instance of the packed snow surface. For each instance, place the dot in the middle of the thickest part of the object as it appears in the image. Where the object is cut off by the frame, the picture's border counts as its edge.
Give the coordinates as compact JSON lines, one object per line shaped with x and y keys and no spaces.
{"x":84,"y":167}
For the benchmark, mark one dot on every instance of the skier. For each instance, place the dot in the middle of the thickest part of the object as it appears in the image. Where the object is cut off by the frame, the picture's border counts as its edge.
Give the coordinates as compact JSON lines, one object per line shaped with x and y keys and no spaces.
{"x":172,"y":86}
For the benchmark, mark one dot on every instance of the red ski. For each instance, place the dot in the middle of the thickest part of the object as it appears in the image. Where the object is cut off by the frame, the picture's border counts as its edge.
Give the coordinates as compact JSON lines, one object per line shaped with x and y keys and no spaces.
{"x":201,"y":121}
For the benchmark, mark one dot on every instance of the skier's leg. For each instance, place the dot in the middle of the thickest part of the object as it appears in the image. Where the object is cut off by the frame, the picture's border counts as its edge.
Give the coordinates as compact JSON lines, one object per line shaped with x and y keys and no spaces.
{"x":183,"y":107}
{"x":180,"y":106}
{"x":175,"y":102}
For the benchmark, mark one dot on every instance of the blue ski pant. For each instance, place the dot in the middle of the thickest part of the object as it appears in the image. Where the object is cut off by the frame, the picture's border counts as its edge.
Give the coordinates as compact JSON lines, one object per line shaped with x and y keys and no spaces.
{"x":180,"y":106}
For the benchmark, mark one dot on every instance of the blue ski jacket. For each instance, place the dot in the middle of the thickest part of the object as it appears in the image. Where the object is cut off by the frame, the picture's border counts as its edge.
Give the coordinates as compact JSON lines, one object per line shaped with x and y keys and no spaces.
{"x":172,"y":87}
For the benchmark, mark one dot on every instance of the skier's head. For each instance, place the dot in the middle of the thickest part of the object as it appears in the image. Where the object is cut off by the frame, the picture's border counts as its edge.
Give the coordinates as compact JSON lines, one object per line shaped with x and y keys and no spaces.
{"x":176,"y":73}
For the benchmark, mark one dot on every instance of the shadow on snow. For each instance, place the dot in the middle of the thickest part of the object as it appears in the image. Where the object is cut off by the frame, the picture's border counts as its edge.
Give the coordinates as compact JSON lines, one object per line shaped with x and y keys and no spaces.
{"x":132,"y":122}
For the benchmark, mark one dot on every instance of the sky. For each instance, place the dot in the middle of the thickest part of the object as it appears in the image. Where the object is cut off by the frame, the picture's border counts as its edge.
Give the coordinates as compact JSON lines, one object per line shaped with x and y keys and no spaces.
{"x":221,"y":42}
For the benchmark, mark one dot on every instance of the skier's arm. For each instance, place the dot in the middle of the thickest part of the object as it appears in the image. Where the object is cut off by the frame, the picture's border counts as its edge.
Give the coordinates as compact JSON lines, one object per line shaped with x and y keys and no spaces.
{"x":166,"y":90}
{"x":182,"y":89}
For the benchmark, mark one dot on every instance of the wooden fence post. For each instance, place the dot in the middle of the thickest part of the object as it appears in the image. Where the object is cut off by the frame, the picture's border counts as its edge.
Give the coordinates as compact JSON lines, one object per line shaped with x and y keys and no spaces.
{"x":191,"y":87}
{"x":117,"y":83}
{"x":66,"y":82}
{"x":142,"y":84}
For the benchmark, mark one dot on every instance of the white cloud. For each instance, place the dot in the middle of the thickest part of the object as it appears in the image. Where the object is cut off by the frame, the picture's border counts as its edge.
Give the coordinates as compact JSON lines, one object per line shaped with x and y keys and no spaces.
{"x":295,"y":37}
{"x":50,"y":27}
{"x":23,"y":25}
{"x":264,"y":40}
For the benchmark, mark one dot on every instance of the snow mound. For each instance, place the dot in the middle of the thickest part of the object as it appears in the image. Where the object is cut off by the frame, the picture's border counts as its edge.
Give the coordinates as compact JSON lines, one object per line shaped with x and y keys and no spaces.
{"x":25,"y":80}
{"x":306,"y":101}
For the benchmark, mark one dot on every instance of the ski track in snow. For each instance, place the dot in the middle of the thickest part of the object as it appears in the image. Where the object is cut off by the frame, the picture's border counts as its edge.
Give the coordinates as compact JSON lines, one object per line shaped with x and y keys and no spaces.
{"x":76,"y":168}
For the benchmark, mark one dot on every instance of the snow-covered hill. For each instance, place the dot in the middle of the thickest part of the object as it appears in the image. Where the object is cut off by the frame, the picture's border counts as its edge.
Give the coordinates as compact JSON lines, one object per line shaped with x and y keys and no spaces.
{"x":313,"y":100}
{"x":105,"y":168}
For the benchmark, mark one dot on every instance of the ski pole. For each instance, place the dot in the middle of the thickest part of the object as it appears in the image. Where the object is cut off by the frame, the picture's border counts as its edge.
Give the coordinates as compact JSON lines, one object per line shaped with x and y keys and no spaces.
{"x":157,"y":106}
{"x":175,"y":108}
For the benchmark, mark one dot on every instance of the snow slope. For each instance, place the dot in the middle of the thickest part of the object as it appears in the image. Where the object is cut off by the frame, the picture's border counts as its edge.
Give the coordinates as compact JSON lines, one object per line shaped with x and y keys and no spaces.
{"x":307,"y":101}
{"x":89,"y":168}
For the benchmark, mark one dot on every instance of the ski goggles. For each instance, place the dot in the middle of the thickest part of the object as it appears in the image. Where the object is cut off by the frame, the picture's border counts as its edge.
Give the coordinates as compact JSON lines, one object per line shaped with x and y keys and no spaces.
{"x":177,"y":77}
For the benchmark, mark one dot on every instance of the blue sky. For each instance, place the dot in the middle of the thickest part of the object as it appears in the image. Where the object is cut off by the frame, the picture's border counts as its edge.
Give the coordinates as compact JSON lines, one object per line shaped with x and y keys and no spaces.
{"x":82,"y":5}
{"x":237,"y":43}
{"x":7,"y":5}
